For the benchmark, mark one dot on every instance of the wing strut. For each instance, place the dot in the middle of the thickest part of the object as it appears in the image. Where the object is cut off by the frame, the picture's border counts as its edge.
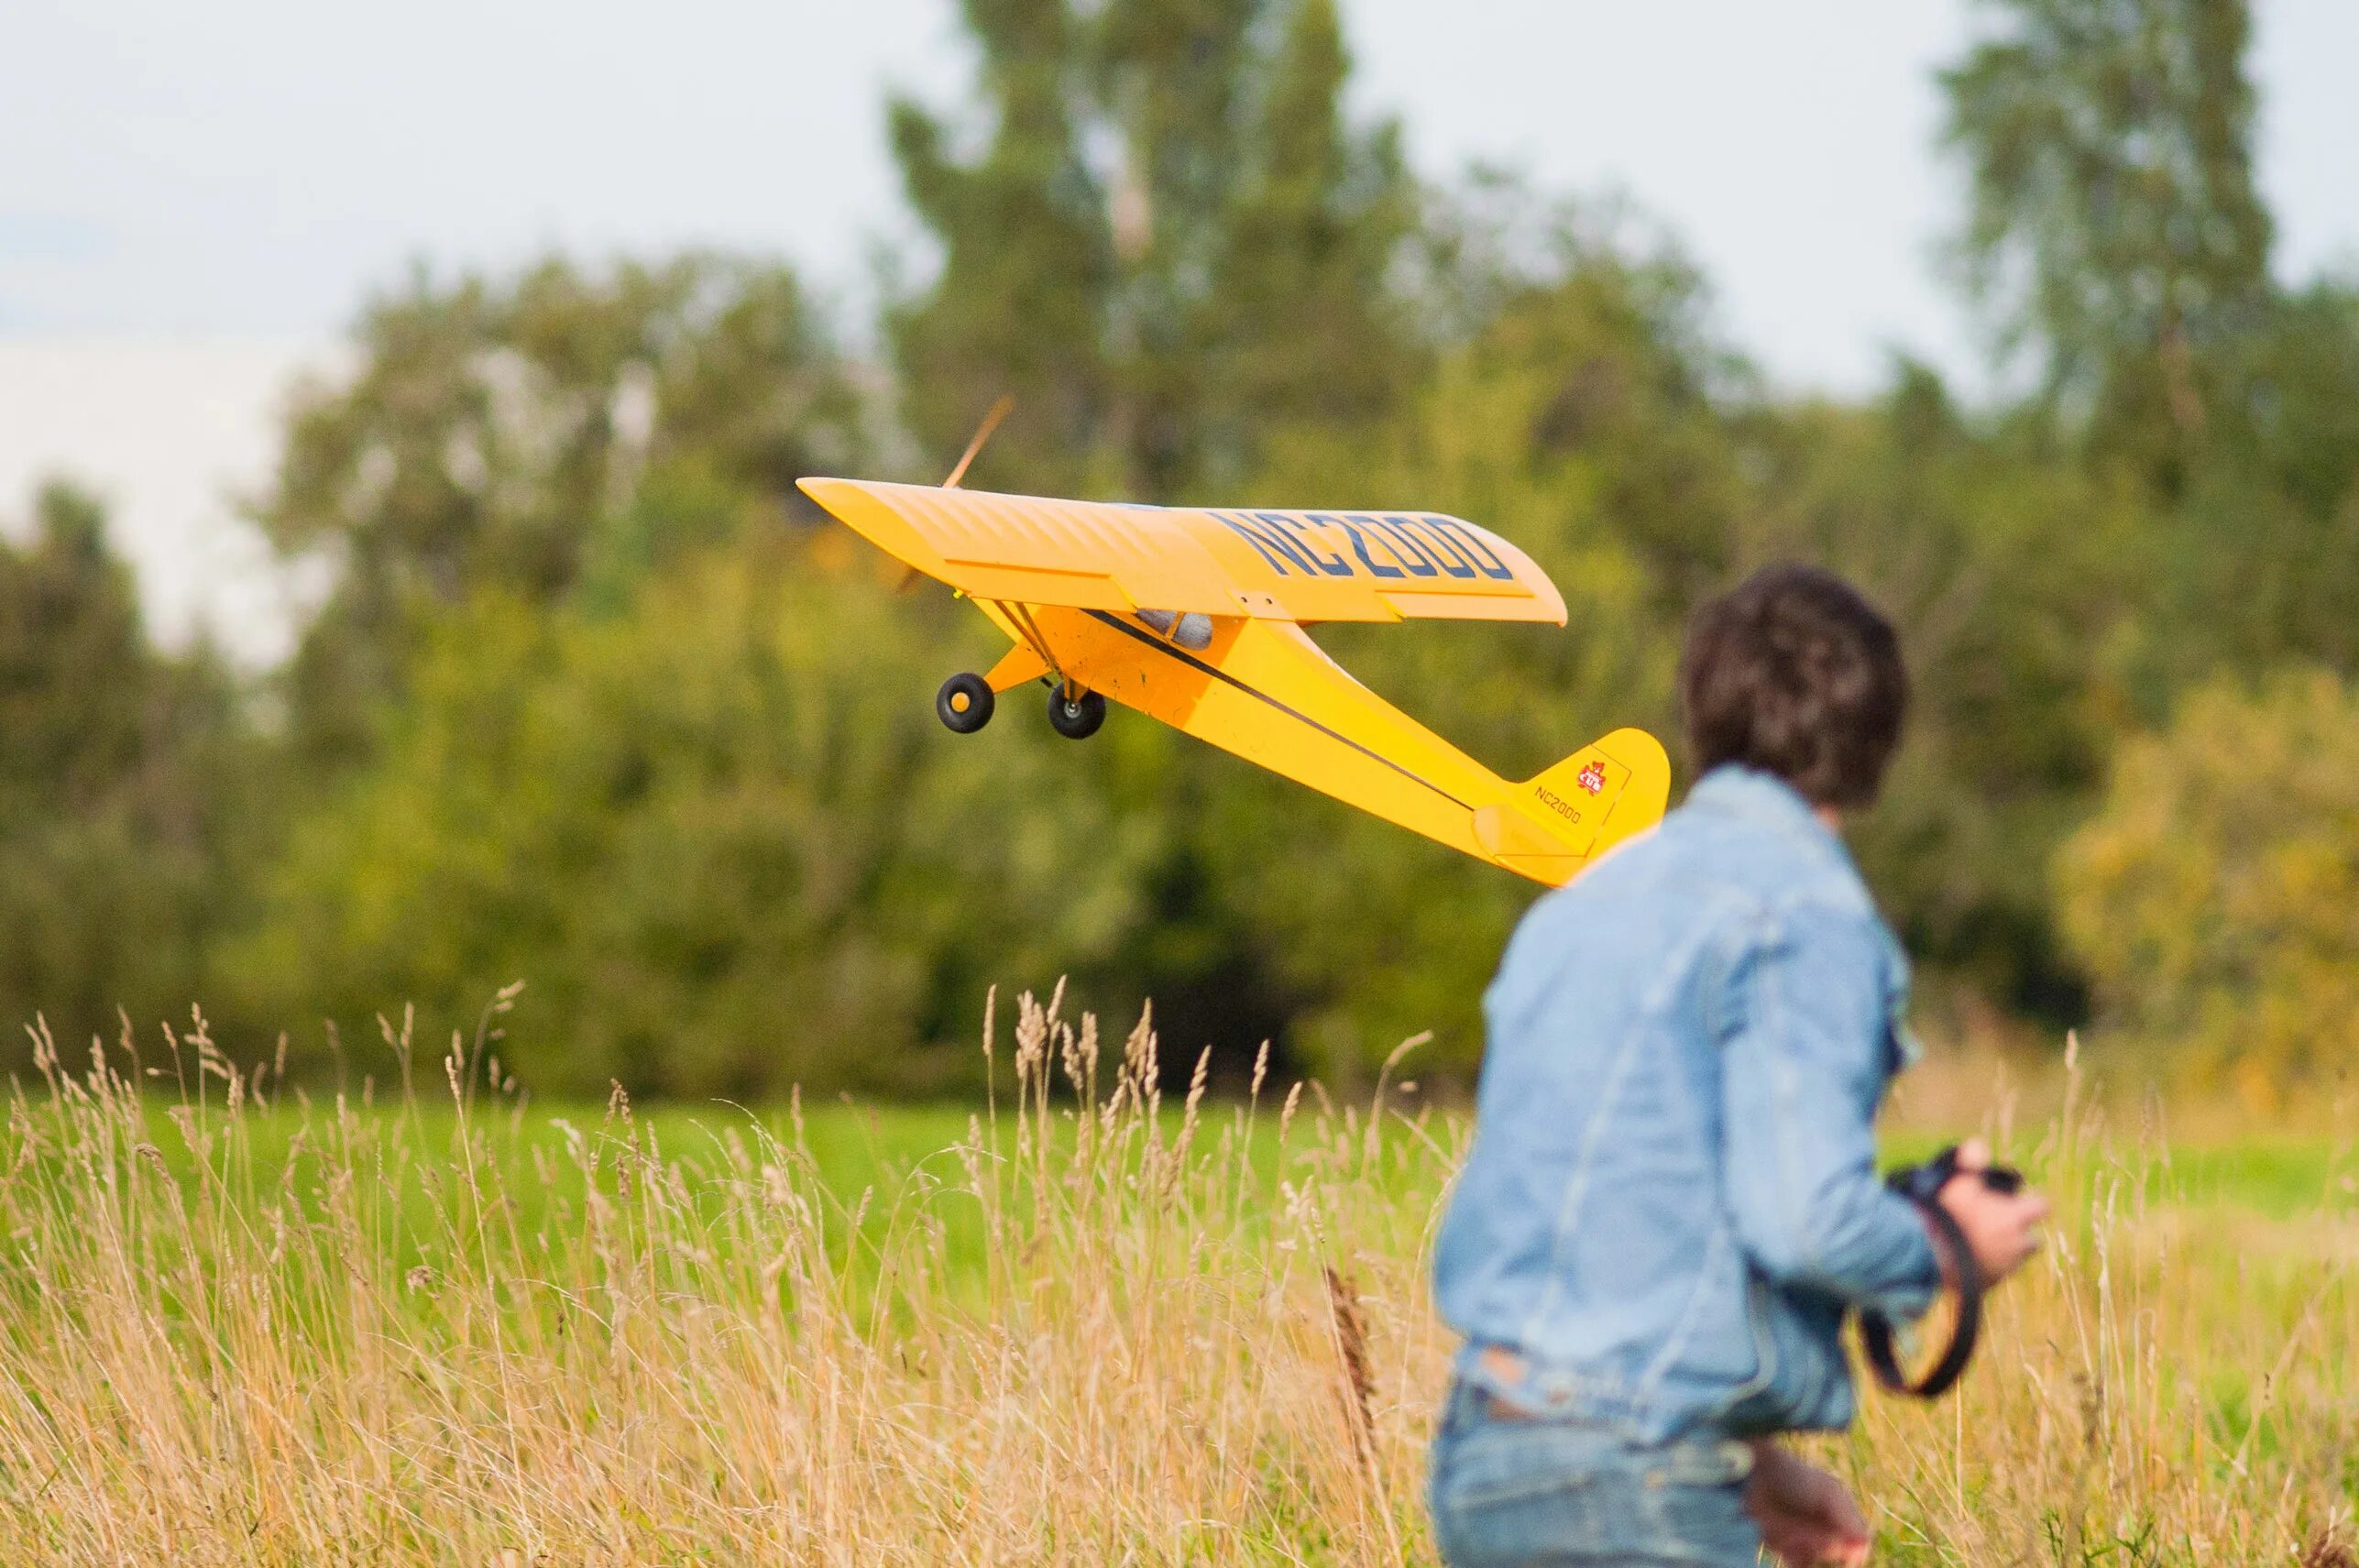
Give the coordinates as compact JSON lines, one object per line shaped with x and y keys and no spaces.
{"x":1019,"y":615}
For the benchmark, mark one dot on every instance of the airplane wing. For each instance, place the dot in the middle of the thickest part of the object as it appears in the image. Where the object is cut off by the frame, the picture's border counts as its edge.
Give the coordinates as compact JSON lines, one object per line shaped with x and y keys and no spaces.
{"x":1277,"y":565}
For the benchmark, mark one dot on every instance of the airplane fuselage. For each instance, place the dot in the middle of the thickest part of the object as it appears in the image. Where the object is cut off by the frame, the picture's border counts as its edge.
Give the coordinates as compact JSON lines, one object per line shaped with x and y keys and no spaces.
{"x":1263,"y":691}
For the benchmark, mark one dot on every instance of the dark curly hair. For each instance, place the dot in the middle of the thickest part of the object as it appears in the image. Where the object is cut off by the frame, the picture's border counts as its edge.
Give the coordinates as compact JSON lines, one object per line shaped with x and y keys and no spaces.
{"x":1794,"y":673}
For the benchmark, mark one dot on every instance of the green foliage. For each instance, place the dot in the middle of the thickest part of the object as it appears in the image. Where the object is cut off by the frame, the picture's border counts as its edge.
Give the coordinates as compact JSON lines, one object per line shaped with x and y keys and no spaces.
{"x":718,"y":834}
{"x":2202,"y":515}
{"x":2009,"y":574}
{"x":1578,"y":422}
{"x":2114,"y":222}
{"x":1168,"y":243}
{"x":2264,"y":547}
{"x":595,"y":703}
{"x":120,"y":777}
{"x":2211,"y":895}
{"x":502,"y":436}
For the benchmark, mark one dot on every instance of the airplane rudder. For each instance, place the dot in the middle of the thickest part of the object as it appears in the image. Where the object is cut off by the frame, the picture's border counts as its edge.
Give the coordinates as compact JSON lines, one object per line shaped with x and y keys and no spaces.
{"x":1625,"y":776}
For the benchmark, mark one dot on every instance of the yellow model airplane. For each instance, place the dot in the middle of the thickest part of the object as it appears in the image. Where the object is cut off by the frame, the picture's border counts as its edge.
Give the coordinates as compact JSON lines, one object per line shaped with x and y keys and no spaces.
{"x":1195,"y":617}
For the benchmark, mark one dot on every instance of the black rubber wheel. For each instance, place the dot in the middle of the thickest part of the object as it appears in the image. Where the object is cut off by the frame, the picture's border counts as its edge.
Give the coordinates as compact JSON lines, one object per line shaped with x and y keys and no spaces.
{"x":964,"y":703}
{"x":1076,"y":718}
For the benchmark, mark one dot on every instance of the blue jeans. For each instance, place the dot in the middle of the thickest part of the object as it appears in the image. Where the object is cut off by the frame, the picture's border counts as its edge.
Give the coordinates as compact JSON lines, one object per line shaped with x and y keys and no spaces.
{"x":1552,"y":1494}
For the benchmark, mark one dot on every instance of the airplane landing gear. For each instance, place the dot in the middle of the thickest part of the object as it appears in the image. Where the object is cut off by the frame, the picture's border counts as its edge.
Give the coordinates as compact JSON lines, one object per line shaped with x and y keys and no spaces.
{"x":1076,"y":717}
{"x":964,"y":703}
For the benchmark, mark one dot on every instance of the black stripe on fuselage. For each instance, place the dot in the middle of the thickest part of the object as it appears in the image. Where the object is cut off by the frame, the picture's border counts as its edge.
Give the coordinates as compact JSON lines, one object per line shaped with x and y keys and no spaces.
{"x":1161,"y":646}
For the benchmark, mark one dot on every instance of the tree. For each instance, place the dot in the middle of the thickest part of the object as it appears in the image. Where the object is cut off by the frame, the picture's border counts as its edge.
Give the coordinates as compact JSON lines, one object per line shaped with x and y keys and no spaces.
{"x":123,"y":787}
{"x":1168,"y":243}
{"x":2211,"y":896}
{"x":2115,"y":227}
{"x":2266,"y":553}
{"x":717,"y":833}
{"x":1579,"y":417}
{"x":2013,"y":576}
{"x":499,"y":436}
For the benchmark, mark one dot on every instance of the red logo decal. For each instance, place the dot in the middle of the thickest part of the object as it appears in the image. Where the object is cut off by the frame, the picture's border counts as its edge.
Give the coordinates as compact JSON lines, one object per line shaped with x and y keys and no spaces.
{"x":1592,"y":778}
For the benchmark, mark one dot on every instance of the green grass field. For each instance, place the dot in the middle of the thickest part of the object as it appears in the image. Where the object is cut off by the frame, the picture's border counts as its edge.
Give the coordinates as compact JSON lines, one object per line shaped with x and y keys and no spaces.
{"x":1087,"y":1325}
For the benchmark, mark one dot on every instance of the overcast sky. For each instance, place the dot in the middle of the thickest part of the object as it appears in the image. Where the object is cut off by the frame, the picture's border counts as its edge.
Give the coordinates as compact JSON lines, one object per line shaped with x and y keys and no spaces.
{"x":194,"y":198}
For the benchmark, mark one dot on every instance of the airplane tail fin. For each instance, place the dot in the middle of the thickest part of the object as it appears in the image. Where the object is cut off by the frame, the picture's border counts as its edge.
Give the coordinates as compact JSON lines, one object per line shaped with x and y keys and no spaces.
{"x":1620,"y":782}
{"x":1558,"y":820}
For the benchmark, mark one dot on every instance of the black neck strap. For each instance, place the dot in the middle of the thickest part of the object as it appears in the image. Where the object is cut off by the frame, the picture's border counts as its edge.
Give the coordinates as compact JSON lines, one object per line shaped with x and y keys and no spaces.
{"x":1876,"y":1330}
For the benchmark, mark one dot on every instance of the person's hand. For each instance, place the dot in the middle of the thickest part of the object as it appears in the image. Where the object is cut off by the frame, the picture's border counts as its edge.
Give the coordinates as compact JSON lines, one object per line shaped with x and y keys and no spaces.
{"x":2001,"y":1229}
{"x":1804,"y":1515}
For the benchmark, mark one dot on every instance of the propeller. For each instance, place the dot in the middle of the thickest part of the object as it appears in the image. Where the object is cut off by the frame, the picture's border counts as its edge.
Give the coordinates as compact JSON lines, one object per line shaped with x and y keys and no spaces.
{"x":998,"y":412}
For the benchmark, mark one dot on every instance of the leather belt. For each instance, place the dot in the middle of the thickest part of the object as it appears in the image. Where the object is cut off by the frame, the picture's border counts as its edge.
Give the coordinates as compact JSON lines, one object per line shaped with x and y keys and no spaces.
{"x":1508,"y":1367}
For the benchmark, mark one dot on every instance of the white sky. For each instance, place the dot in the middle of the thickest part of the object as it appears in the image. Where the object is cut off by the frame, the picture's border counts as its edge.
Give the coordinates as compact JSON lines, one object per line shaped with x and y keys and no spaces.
{"x":194,"y":198}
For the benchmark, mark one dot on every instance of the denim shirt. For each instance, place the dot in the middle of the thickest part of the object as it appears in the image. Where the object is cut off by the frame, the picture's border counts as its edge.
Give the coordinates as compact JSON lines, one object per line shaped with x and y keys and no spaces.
{"x":1672,"y":1195}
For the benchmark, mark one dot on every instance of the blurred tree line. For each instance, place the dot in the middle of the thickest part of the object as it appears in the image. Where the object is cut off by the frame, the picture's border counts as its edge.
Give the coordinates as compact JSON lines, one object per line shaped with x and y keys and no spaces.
{"x":596,"y":702}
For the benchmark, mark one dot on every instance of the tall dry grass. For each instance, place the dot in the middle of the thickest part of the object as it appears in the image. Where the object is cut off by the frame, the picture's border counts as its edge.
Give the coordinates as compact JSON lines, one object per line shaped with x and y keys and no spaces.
{"x":1097,"y":1329}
